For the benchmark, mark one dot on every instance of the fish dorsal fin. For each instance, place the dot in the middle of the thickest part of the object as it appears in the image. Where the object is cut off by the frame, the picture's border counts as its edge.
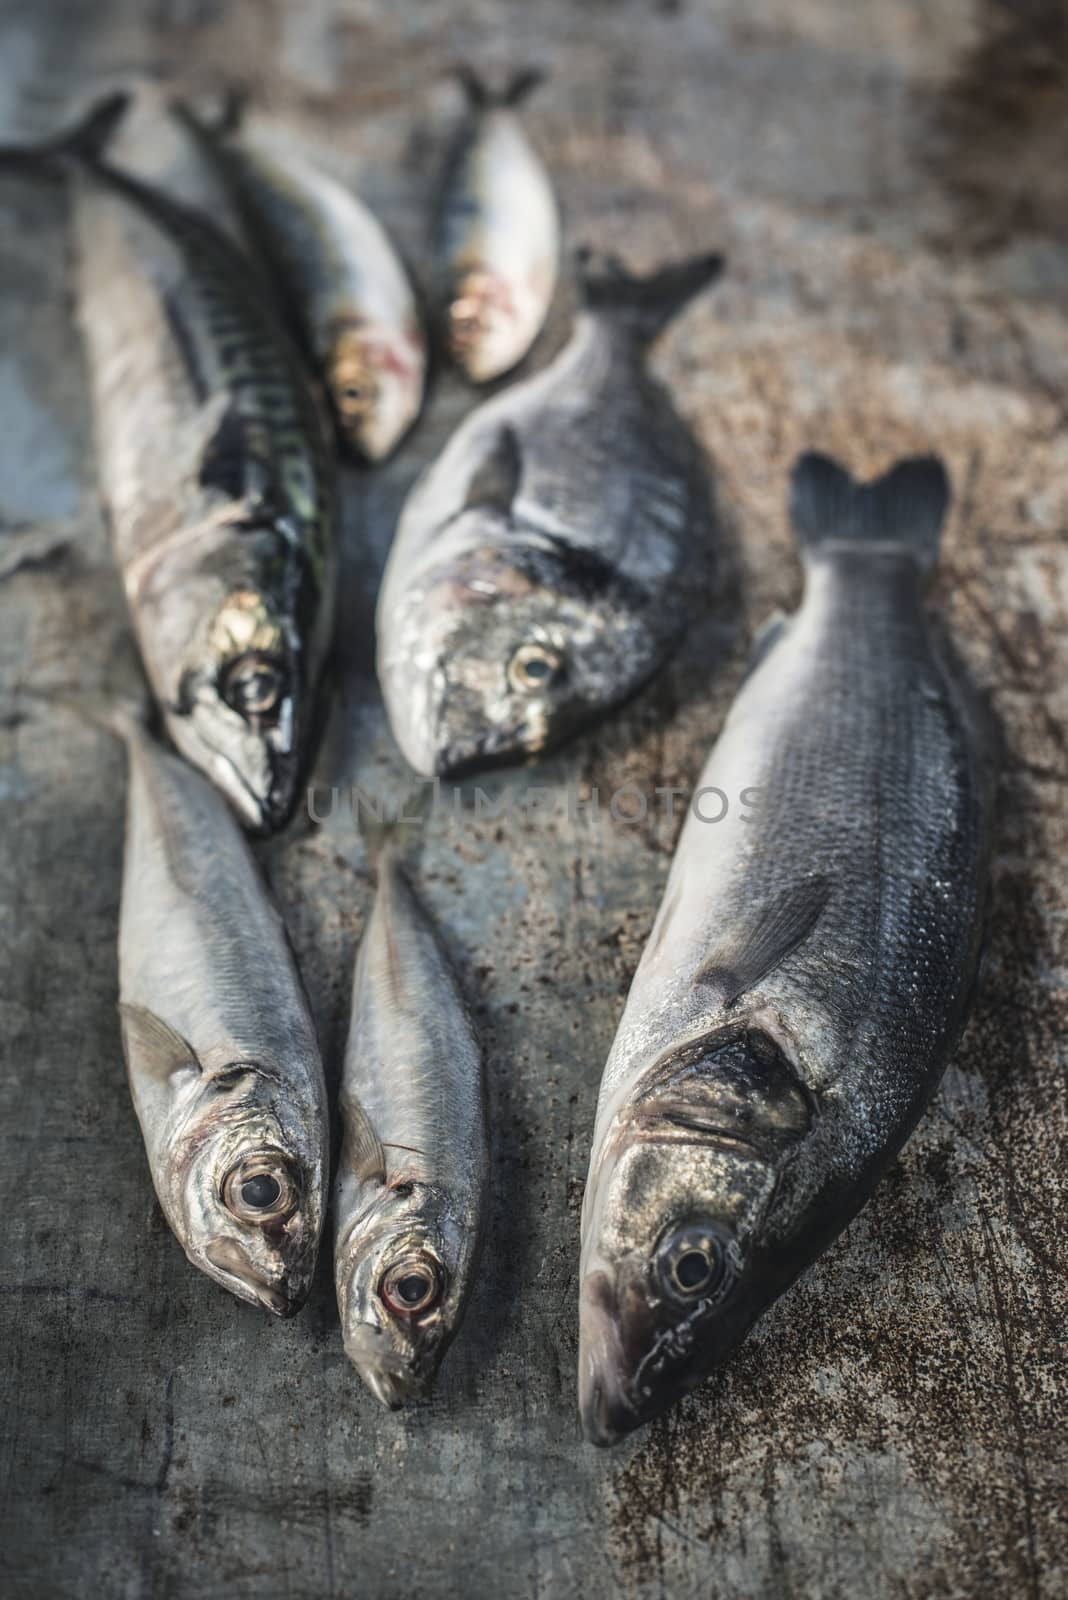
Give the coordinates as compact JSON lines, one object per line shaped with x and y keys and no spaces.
{"x":764,"y":938}
{"x":152,"y":1046}
{"x":494,"y":483}
{"x":362,"y":1155}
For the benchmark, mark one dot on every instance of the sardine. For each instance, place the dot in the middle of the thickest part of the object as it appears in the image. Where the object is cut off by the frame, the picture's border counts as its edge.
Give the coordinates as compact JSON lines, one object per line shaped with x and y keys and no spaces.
{"x":541,"y":566}
{"x":411,"y":1186}
{"x":220,"y":1046}
{"x":336,"y":267}
{"x":812,"y":963}
{"x":215,"y":470}
{"x":496,"y":245}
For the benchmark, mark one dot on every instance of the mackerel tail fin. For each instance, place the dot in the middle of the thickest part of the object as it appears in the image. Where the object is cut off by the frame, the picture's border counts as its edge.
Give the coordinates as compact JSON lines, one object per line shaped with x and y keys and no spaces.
{"x":85,"y":140}
{"x":482,"y":96}
{"x":645,"y":302}
{"x":905,"y":508}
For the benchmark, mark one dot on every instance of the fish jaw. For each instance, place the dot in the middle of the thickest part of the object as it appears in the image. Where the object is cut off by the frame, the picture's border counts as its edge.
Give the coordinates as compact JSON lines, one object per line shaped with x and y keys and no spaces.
{"x":392,"y":1382}
{"x":257,"y":770}
{"x":281,"y":1291}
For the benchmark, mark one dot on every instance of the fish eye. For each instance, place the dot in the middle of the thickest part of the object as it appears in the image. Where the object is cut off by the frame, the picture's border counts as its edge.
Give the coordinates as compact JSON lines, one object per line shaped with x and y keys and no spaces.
{"x":413,"y":1286}
{"x":692,"y":1263}
{"x":533,"y":667}
{"x":253,"y":684}
{"x":260,"y":1189}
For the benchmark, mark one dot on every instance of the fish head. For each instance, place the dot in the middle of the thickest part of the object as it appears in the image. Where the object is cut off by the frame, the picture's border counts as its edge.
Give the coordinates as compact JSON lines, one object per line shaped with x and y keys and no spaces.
{"x":485,"y":330}
{"x":239,"y":710}
{"x":674,"y":1222}
{"x":376,"y":387}
{"x":403,"y":1274}
{"x":244,"y":1189}
{"x":508,"y":651}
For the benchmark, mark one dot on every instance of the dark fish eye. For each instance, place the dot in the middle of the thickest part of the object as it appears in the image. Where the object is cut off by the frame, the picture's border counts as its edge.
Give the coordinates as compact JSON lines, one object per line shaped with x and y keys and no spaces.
{"x":261,"y":1192}
{"x":254,"y":684}
{"x":413,"y":1286}
{"x":692,"y":1262}
{"x":533,"y":667}
{"x":260,"y":1189}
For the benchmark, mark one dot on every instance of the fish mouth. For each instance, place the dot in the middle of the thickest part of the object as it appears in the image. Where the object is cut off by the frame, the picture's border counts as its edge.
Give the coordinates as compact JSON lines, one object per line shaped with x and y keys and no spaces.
{"x":392,"y":1382}
{"x":497,"y":747}
{"x":283,"y":1297}
{"x":261,"y":810}
{"x":607,"y":1415}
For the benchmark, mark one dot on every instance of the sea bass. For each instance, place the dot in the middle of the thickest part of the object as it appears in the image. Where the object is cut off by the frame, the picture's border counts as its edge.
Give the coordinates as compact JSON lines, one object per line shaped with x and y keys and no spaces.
{"x":411,"y":1186}
{"x":215,"y":470}
{"x":220,"y":1047}
{"x":335,"y":266}
{"x":811,"y":966}
{"x":496,"y":246}
{"x":542,"y":567}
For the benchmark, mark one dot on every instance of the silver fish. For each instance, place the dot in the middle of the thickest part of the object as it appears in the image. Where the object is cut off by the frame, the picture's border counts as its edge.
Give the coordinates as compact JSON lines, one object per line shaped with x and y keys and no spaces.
{"x":411,"y":1187}
{"x":215,"y":469}
{"x":337,"y":268}
{"x":811,"y":966}
{"x":220,"y":1047}
{"x":541,"y":567}
{"x":496,"y":247}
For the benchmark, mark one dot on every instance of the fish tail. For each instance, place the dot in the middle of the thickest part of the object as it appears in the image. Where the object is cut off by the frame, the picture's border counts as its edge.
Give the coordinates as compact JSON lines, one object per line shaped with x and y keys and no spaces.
{"x":396,"y":829}
{"x":906,"y":507}
{"x":85,"y":140}
{"x":647,"y":302}
{"x":482,"y":97}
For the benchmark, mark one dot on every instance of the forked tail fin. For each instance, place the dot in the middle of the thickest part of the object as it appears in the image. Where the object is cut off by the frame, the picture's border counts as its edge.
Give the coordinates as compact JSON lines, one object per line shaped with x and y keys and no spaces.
{"x":481,"y":96}
{"x":646,"y":302}
{"x":85,"y":140}
{"x":905,"y":508}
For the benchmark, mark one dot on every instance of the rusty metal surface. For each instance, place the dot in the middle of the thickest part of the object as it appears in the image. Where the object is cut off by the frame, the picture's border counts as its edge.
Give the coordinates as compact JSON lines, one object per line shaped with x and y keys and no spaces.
{"x":888,"y":183}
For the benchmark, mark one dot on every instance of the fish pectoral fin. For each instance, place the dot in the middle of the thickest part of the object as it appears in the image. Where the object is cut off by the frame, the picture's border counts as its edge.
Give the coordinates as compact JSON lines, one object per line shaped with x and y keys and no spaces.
{"x":224,"y":461}
{"x":764,"y":939}
{"x":152,"y":1046}
{"x":494,"y":483}
{"x":362,"y":1154}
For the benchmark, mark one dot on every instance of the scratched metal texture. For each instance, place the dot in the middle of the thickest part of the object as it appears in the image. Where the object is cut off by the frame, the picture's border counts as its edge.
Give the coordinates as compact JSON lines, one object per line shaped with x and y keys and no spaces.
{"x":890,"y":184}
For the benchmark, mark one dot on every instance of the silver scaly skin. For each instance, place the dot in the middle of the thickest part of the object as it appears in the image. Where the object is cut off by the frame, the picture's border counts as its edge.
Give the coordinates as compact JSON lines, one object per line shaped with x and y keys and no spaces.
{"x":333,"y":262}
{"x":215,"y":470}
{"x":220,"y":1047}
{"x":411,"y":1185}
{"x":496,"y":247}
{"x":811,"y":965}
{"x":542,"y":565}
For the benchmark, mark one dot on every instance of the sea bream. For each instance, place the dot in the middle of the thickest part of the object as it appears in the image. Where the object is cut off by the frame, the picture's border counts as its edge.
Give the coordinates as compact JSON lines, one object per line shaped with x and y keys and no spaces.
{"x":337,"y":270}
{"x":216,"y":474}
{"x":496,"y":246}
{"x":544,"y":565}
{"x":221,"y":1051}
{"x":812,"y":963}
{"x":412,"y":1179}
